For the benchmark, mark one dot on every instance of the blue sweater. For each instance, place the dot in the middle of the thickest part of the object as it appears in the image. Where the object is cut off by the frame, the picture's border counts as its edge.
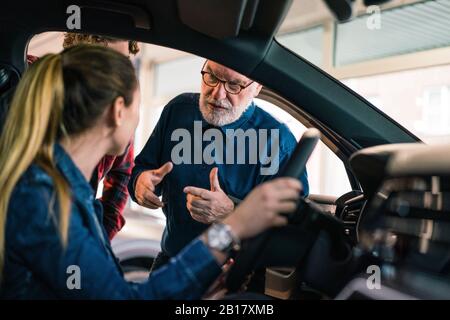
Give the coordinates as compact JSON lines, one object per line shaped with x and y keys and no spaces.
{"x":182,"y":116}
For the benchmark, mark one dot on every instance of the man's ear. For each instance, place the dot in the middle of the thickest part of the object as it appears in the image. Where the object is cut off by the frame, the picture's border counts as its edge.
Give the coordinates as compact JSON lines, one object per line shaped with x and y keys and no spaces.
{"x":257,"y":89}
{"x":117,"y":111}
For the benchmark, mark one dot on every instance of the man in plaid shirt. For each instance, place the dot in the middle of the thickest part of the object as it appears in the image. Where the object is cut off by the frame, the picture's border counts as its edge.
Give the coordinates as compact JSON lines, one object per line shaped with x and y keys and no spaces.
{"x":115,"y":171}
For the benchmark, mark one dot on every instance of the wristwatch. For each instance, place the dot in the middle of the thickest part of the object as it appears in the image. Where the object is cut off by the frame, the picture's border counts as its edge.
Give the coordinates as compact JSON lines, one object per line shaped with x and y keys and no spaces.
{"x":220,"y":237}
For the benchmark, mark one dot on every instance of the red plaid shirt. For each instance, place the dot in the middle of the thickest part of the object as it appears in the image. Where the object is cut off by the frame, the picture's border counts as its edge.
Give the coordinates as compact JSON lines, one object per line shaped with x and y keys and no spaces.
{"x":117,"y":172}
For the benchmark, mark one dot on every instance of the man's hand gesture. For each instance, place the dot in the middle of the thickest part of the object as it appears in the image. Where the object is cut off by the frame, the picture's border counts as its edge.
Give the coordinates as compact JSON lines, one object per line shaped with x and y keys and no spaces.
{"x":207,"y":206}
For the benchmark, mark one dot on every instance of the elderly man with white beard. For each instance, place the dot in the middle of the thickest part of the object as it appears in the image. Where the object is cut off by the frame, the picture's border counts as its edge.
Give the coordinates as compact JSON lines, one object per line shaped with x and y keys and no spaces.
{"x":207,"y":151}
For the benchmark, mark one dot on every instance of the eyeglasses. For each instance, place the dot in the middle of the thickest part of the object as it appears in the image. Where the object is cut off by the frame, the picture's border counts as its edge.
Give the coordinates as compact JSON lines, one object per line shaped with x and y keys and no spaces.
{"x":231,"y":87}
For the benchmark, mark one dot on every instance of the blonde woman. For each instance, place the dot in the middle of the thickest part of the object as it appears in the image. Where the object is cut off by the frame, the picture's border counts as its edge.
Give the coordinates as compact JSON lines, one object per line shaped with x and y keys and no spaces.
{"x":69,"y":111}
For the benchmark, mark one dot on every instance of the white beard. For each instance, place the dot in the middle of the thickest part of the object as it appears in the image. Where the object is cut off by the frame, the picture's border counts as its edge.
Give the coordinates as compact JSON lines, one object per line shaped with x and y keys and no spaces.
{"x":220,"y":117}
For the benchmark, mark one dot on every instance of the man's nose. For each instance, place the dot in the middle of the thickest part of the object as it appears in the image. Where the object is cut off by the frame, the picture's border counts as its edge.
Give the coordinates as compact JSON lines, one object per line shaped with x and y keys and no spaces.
{"x":219,"y":91}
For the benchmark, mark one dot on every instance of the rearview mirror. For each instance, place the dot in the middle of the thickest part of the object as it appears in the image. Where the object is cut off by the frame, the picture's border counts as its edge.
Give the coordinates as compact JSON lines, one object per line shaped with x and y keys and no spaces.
{"x":343,"y":9}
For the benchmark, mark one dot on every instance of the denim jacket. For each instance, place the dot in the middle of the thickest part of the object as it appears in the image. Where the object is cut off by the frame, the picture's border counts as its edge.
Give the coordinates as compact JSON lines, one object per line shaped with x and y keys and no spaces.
{"x":38,"y":266}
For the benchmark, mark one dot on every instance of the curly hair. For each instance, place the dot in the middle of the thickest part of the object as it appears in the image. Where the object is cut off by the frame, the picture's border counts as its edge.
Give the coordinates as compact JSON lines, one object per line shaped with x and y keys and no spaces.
{"x":71,"y":39}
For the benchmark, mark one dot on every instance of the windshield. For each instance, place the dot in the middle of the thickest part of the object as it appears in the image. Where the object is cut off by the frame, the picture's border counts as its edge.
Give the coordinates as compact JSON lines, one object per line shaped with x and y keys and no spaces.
{"x":397,"y":56}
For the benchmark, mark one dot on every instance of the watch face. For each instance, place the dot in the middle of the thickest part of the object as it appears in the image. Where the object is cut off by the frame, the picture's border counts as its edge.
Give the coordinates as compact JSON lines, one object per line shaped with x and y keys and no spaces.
{"x":219,"y":238}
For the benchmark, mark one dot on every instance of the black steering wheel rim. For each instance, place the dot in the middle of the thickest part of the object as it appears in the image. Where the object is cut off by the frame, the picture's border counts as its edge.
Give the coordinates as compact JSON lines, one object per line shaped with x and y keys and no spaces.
{"x":249,"y":255}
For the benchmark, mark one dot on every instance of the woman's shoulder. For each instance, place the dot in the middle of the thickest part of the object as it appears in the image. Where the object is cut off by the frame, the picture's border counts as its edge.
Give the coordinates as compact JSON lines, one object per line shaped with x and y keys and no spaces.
{"x":35,"y":176}
{"x":29,"y":206}
{"x":34,"y":187}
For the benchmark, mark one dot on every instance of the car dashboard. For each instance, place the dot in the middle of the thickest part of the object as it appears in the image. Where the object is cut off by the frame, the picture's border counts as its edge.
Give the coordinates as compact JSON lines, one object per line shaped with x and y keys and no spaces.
{"x":403,"y":229}
{"x":397,"y":229}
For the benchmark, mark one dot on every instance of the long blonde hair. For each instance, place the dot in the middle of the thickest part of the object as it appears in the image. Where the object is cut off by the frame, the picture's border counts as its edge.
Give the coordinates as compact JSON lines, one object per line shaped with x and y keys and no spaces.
{"x":60,"y":94}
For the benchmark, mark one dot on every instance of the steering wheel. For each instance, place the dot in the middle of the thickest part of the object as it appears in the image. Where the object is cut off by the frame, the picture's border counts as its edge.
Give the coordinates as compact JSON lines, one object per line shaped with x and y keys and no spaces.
{"x":281,"y":246}
{"x":251,"y":253}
